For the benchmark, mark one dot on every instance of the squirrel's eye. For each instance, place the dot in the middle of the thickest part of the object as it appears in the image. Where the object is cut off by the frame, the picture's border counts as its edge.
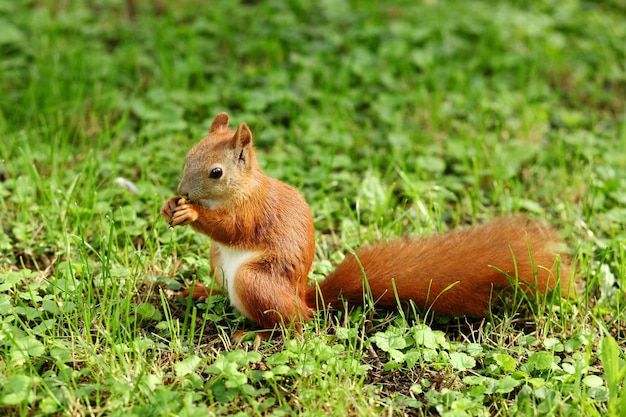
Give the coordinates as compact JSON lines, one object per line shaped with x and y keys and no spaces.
{"x":215,"y":173}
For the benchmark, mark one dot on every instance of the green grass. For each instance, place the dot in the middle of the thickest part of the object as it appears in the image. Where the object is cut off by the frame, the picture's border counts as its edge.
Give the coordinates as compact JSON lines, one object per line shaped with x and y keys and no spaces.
{"x":393,"y":118}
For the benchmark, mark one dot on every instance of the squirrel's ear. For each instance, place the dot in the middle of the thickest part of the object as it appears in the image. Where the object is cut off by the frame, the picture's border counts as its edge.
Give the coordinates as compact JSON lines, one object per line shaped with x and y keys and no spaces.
{"x":243,"y":136}
{"x":242,"y":143}
{"x":220,"y":122}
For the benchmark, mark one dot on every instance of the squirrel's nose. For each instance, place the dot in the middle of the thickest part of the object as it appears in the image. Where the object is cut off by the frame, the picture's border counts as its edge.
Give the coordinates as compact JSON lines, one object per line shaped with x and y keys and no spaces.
{"x":181,"y":191}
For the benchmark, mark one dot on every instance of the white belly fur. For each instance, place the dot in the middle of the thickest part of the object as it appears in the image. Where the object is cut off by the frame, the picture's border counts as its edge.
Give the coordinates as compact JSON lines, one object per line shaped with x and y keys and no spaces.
{"x":232,"y":260}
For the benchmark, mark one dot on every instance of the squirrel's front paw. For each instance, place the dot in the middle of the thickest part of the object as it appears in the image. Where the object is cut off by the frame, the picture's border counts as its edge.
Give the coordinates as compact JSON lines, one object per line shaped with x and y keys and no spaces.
{"x":167,"y":210}
{"x":184,"y":214}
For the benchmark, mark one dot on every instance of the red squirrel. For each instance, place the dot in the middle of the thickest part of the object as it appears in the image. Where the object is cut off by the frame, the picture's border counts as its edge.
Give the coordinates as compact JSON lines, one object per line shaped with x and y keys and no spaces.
{"x":264,"y":243}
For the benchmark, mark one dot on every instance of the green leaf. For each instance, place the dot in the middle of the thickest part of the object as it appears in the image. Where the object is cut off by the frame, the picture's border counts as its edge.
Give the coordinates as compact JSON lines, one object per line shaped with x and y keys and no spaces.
{"x":474,"y":349}
{"x":148,"y":311}
{"x":462,"y":361}
{"x":16,"y":390}
{"x":187,"y":365}
{"x":554,"y":344}
{"x":278,"y":358}
{"x":541,"y":361}
{"x":5,"y":304}
{"x":411,"y":357}
{"x":537,"y":382}
{"x":281,"y":370}
{"x":425,"y":336}
{"x":235,"y":379}
{"x":27,"y":347}
{"x":507,"y":384}
{"x":478,"y":380}
{"x":49,"y":405}
{"x":389,"y":340}
{"x":506,"y":362}
{"x":396,"y":355}
{"x":250,"y":357}
{"x":9,"y":279}
{"x":61,"y":355}
{"x":593,"y":381}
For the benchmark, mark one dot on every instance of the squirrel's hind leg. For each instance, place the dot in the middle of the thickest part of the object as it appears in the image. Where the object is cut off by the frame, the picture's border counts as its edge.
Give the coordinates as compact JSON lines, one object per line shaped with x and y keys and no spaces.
{"x":200,"y":292}
{"x":270,"y":305}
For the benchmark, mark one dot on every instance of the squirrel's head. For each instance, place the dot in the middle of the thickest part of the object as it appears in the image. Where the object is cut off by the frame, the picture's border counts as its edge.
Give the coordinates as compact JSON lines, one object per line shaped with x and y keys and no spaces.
{"x":221,"y":167}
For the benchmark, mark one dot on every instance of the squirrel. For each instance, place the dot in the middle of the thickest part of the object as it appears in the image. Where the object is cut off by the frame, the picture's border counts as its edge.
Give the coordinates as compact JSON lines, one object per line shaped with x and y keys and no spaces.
{"x":264,"y":242}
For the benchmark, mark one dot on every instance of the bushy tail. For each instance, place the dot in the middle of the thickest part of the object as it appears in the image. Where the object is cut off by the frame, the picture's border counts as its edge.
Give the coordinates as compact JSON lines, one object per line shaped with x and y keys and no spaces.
{"x":456,"y":273}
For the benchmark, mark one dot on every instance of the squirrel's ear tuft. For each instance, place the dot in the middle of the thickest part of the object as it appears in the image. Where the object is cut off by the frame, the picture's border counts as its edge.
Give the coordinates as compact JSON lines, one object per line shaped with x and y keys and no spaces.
{"x":243,"y":136}
{"x":220,"y":122}
{"x":242,"y":143}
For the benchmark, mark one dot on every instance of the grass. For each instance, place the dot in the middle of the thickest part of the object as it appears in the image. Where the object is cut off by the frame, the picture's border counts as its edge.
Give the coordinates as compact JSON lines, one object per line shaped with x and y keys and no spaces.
{"x":393,"y":118}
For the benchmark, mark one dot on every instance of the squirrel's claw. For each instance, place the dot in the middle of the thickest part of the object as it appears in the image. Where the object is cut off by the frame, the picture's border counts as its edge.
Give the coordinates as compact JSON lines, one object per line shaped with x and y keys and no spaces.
{"x":183,"y":215}
{"x":169,"y":209}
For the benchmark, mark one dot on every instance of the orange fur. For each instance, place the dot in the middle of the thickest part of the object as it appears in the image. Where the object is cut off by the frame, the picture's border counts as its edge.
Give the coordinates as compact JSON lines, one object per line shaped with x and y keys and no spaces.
{"x":245,"y":211}
{"x":264,"y":245}
{"x":456,"y":273}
